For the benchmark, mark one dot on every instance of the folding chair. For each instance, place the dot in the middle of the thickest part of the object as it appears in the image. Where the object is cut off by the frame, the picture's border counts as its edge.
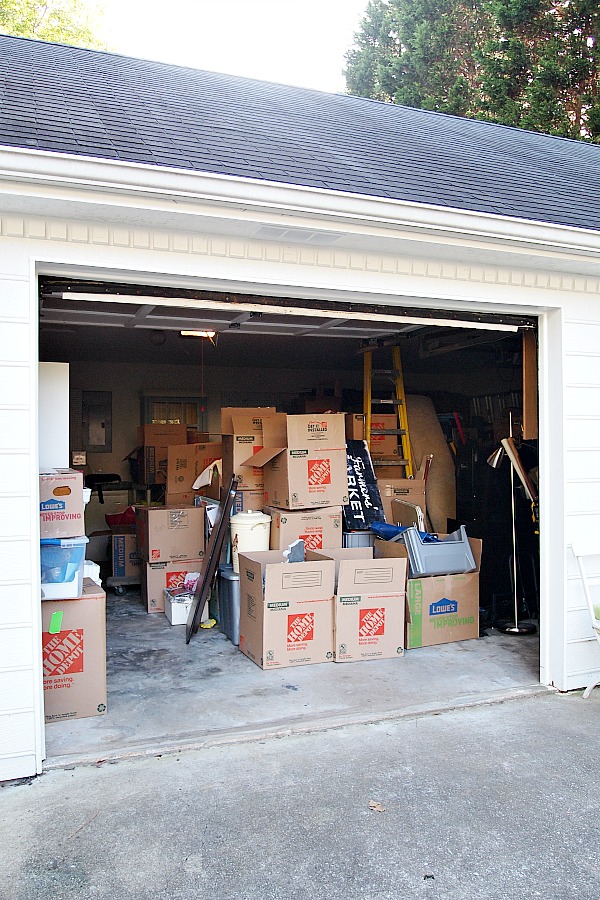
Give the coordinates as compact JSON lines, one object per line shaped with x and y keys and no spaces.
{"x":590,"y":578}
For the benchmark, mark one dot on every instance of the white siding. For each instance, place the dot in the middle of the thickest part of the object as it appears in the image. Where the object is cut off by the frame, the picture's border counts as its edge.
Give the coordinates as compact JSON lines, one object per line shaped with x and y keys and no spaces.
{"x":21,"y":735}
{"x":582,"y":438}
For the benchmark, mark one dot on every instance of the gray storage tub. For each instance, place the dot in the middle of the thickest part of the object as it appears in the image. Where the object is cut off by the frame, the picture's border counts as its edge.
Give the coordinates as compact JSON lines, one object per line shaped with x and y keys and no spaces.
{"x":449,"y":556}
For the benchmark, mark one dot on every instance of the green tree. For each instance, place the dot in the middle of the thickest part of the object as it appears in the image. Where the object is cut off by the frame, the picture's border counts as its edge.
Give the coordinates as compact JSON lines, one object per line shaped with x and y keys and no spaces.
{"x":529,"y":63}
{"x":61,"y":21}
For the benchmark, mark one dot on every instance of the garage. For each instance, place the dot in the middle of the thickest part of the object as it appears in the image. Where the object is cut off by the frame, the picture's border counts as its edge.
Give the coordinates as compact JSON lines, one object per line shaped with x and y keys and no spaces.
{"x":296,"y":226}
{"x":297,"y":356}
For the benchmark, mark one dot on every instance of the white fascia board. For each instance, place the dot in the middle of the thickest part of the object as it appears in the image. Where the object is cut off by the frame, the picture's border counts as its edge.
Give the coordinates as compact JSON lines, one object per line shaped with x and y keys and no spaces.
{"x":67,"y":177}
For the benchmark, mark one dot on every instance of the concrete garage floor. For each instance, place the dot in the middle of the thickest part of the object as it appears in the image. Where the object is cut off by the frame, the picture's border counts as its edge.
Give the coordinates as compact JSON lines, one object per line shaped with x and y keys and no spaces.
{"x":164,"y":694}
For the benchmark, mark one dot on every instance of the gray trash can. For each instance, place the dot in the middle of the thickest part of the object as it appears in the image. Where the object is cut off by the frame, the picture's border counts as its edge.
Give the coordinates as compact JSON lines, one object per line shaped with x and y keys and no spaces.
{"x":228,"y":587}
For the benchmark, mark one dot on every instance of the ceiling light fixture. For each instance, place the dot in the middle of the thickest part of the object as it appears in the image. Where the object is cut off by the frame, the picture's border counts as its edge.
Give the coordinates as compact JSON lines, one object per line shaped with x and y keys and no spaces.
{"x":201,"y":334}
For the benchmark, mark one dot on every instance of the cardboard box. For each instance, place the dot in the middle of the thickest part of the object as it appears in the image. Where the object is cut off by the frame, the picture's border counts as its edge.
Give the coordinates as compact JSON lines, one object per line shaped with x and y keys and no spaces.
{"x":125,"y":560}
{"x":246,"y":501}
{"x":61,"y":503}
{"x":318,"y":528}
{"x":256,"y":413}
{"x":242,"y":439}
{"x":178,"y":602}
{"x":74,"y":655}
{"x":369,"y":604}
{"x":442,"y":608}
{"x":304,"y":461}
{"x":411,"y":490}
{"x":158,"y":576}
{"x":185,"y":462}
{"x":355,"y":426}
{"x":286,"y":610}
{"x":383,"y":446}
{"x":153,"y":443}
{"x":166,"y":533}
{"x":187,"y":498}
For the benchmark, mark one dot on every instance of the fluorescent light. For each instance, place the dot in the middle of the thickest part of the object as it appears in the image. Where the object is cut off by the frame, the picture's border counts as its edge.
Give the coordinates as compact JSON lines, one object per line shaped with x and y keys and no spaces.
{"x":203,"y":334}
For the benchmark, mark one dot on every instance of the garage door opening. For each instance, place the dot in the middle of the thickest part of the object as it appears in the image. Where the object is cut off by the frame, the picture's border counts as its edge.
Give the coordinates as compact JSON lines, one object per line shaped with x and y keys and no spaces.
{"x":467,"y":376}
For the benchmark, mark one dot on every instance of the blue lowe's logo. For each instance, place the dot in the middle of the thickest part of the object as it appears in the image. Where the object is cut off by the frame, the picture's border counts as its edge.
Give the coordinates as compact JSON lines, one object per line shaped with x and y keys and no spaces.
{"x":443,"y":607}
{"x":52,"y":505}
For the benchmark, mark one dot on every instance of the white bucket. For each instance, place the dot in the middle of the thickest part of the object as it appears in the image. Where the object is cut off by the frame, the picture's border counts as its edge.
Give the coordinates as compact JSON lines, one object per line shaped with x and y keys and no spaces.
{"x":249,"y":531}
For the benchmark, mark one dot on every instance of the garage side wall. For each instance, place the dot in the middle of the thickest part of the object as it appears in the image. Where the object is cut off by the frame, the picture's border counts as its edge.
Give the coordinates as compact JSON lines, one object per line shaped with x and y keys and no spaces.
{"x":582,"y":481}
{"x":21,"y":716}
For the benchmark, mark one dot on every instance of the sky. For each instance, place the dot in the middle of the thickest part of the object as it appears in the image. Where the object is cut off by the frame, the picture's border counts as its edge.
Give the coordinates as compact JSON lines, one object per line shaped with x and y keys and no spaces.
{"x":297,"y":42}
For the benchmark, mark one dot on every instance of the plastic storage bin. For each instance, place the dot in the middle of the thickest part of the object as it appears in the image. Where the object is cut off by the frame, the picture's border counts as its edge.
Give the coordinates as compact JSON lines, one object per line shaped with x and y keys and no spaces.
{"x":228,"y":587}
{"x":449,"y":556}
{"x":62,"y":565}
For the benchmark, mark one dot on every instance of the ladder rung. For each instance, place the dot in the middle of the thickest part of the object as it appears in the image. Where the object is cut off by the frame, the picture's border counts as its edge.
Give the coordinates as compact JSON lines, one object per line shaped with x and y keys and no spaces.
{"x":390,"y":462}
{"x":393,"y":372}
{"x":388,"y":431}
{"x":394,"y":402}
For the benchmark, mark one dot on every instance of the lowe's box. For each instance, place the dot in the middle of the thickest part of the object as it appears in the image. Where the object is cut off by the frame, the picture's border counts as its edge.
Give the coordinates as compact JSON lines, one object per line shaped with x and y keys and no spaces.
{"x":441,"y":608}
{"x":318,"y":528}
{"x":286,"y":610}
{"x":369,"y":604}
{"x":304,"y":461}
{"x":74,"y":655}
{"x":61,"y":503}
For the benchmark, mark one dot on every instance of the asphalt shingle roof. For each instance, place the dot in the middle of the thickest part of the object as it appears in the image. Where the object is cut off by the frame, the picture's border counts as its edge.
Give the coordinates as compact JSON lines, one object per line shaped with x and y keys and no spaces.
{"x":65,"y":99}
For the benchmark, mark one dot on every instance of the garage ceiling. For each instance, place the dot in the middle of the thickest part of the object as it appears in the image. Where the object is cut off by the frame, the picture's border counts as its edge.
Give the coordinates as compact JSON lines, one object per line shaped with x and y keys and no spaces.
{"x":136,"y":323}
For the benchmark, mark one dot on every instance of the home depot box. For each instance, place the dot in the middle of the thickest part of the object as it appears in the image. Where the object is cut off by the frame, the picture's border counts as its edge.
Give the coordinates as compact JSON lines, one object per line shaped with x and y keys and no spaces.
{"x":185,"y":462}
{"x":318,"y":528}
{"x":304,"y":461}
{"x":166,"y":533}
{"x":369,"y":604}
{"x":153,"y":444}
{"x":245,"y":441}
{"x":441,"y":608}
{"x":125,"y":560}
{"x":286,"y":610}
{"x":74,"y":655}
{"x":256,"y":413}
{"x":383,"y":446}
{"x":61,"y":503}
{"x":158,"y":576}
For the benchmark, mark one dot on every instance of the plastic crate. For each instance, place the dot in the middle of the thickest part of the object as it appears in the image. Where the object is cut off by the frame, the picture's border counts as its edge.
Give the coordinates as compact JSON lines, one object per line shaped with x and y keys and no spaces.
{"x":451,"y":555}
{"x":62,"y":564}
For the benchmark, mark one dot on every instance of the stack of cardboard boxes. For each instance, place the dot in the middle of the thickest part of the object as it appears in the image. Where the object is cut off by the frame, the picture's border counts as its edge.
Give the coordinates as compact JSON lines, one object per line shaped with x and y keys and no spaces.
{"x":73,"y":607}
{"x":338,"y":604}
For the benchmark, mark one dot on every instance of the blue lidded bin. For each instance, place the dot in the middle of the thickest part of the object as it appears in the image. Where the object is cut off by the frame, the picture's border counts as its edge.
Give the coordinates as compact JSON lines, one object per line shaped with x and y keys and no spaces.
{"x":62,"y":563}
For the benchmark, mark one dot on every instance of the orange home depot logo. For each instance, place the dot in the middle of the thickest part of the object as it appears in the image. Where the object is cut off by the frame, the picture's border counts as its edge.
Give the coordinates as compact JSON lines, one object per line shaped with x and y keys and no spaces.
{"x":155,"y":554}
{"x":175,"y":579}
{"x":301,"y":627}
{"x":313,"y":540}
{"x":371,"y":622}
{"x":319,"y":473}
{"x":62,"y":653}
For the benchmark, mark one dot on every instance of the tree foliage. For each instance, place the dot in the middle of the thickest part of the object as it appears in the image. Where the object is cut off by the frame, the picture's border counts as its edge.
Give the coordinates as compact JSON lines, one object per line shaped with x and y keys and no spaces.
{"x":529,"y":63}
{"x":61,"y":21}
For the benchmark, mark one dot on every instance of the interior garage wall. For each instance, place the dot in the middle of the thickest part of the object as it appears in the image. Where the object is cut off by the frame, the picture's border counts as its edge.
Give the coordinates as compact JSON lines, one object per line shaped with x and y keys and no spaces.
{"x":222,"y":387}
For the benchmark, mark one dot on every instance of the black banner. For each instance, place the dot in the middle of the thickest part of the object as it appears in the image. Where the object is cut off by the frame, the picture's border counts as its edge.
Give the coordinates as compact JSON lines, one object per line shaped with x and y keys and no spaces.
{"x":364,"y":500}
